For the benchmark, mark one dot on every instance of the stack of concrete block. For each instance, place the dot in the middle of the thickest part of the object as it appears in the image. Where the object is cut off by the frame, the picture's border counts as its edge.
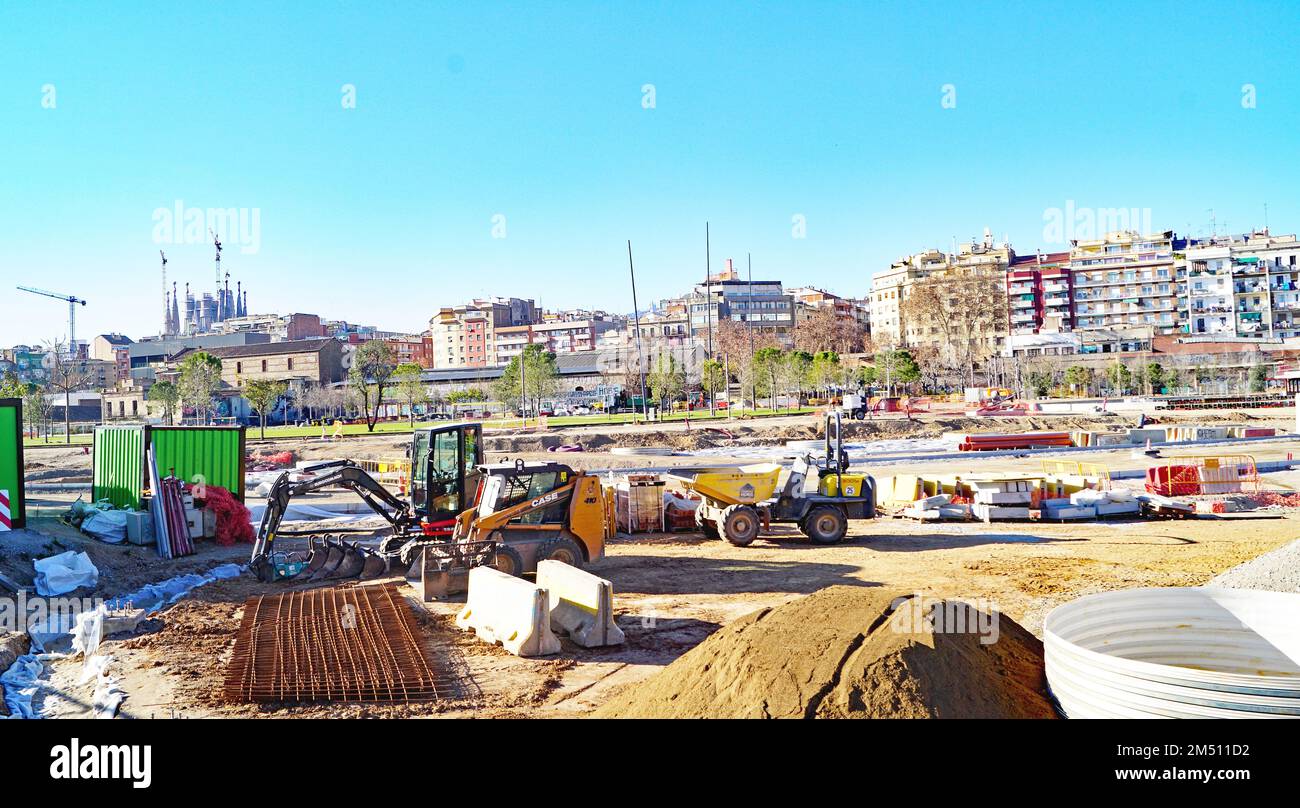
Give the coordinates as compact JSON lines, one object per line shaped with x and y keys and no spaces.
{"x":1003,"y":499}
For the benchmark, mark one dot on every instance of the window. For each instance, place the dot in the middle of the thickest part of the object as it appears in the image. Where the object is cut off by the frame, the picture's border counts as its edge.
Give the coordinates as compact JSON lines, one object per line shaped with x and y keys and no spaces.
{"x":239,"y":367}
{"x":291,"y":363}
{"x":263,"y":365}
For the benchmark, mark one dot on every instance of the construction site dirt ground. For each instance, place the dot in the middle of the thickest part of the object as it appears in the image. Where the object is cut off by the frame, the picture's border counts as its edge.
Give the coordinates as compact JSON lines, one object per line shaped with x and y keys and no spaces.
{"x":671,"y":591}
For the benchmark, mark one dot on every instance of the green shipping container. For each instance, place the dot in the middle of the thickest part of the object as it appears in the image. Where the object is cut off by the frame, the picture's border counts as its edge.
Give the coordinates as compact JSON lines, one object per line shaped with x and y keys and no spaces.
{"x":11,"y":459}
{"x":119,"y":465}
{"x":212,"y":455}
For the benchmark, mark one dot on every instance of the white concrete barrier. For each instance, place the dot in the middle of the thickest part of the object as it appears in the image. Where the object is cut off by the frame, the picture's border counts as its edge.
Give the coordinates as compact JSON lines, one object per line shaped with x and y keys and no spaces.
{"x":581,"y":604}
{"x":504,"y":609}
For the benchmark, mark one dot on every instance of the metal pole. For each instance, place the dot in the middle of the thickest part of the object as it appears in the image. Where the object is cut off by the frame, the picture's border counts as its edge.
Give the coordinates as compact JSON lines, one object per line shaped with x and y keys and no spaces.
{"x":523,"y":383}
{"x":708,"y":291}
{"x":749,"y":326}
{"x":636,"y":316}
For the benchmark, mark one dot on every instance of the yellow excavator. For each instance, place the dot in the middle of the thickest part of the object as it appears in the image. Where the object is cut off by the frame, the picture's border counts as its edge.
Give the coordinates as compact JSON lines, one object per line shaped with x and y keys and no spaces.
{"x":461,"y":514}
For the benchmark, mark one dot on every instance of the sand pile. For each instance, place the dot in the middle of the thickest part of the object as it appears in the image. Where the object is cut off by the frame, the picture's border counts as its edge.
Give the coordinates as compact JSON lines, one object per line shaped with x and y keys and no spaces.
{"x":851,"y":652}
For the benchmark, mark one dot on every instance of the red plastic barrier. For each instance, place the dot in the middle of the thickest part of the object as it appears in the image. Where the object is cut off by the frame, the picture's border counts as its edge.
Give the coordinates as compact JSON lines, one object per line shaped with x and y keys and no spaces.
{"x":1174,"y":481}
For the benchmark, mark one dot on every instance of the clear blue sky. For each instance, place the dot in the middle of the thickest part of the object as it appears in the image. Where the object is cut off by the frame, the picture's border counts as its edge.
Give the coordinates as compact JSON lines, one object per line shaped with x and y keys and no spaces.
{"x":381,"y":213}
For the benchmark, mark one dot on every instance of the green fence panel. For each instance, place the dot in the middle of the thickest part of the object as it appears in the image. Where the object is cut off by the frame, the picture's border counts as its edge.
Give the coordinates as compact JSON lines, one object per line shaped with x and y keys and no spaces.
{"x":119,"y":465}
{"x":11,"y":459}
{"x":213,"y":453}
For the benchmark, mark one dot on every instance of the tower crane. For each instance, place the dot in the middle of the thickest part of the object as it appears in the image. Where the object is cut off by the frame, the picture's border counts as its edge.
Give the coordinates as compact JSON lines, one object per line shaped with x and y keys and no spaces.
{"x":72,"y":313}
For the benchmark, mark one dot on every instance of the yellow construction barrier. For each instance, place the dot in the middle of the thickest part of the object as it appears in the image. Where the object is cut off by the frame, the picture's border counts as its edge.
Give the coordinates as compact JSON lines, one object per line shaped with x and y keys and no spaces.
{"x":581,"y":604}
{"x":392,"y":473}
{"x":503,"y":609}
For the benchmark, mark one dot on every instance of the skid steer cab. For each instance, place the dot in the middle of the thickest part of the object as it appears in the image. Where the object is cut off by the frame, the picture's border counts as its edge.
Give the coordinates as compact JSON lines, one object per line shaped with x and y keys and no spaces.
{"x":533,"y":512}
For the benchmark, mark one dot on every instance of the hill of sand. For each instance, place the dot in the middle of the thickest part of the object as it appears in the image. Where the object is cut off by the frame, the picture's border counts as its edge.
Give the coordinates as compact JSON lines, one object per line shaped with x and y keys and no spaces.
{"x":852,"y":652}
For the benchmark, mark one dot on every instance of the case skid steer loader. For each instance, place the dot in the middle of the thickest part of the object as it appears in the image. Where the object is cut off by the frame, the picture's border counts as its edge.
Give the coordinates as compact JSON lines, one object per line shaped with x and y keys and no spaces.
{"x":461,"y":514}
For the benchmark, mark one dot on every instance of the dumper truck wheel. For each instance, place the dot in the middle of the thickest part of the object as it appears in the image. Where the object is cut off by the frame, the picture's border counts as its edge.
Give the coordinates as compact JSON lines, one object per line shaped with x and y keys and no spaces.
{"x":825,"y":524}
{"x":508,"y":560}
{"x":740,"y":524}
{"x":706,"y":525}
{"x":561,"y":548}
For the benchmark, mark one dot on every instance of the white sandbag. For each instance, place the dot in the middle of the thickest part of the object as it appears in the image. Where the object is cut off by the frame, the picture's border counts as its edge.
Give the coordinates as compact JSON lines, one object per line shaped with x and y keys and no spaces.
{"x":107,"y":526}
{"x":65,"y":572}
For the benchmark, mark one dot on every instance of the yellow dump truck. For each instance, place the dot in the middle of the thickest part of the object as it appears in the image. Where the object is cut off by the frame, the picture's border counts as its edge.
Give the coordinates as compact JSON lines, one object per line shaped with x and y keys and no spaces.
{"x":736,"y":502}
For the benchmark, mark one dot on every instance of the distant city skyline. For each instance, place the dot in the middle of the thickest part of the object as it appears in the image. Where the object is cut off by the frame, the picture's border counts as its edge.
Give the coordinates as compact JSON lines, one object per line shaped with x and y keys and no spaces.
{"x":378,"y":164}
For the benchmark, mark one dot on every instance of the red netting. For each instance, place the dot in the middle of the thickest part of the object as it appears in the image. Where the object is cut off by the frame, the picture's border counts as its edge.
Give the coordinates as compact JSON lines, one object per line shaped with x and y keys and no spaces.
{"x":233,"y":523}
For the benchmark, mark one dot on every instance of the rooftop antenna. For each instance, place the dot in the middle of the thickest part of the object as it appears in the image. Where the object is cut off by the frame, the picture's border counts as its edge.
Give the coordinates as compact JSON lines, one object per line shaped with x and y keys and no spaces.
{"x":167,"y":313}
{"x":217,"y":243}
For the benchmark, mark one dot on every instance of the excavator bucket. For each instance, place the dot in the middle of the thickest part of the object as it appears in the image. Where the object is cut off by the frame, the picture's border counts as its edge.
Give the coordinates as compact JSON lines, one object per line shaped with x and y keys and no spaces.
{"x":334,"y":555}
{"x":375,"y":566}
{"x":319,"y":552}
{"x":354,"y":560}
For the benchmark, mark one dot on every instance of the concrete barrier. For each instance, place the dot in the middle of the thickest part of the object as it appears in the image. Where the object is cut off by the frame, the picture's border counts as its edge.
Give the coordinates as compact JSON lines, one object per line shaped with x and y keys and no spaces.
{"x":581,"y":604}
{"x":504,"y":609}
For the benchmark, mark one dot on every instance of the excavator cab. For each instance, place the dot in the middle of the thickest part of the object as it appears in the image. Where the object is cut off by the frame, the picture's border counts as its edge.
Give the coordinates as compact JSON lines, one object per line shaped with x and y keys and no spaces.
{"x":445,"y":474}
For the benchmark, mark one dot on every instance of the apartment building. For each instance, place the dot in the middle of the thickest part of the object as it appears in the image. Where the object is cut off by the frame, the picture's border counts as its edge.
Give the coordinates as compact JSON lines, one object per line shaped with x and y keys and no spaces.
{"x":891,"y":288}
{"x":1127,"y":280}
{"x":1039,"y":294}
{"x":809,"y":299}
{"x":763,"y":304}
{"x":556,"y":336}
{"x":413,"y":349}
{"x":113,"y":348}
{"x":466,"y":335}
{"x":1243,"y":286}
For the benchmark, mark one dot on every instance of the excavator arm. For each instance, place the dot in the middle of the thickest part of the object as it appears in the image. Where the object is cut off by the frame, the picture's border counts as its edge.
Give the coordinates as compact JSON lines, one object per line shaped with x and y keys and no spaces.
{"x":343,"y":473}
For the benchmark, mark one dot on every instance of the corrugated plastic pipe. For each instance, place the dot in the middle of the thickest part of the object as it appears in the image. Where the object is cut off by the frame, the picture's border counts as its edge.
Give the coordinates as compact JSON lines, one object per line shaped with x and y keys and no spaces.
{"x":1198,"y":652}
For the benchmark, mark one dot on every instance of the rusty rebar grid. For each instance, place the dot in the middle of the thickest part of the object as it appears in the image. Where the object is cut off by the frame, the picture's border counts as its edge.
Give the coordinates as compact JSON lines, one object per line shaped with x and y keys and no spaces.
{"x":356,"y":643}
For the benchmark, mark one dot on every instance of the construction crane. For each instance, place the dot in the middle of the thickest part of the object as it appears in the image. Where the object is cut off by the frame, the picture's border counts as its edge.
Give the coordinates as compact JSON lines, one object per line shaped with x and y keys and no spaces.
{"x":72,"y":313}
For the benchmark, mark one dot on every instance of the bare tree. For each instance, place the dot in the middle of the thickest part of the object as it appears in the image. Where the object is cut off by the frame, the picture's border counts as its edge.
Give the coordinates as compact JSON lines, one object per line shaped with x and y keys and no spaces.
{"x":965,"y":309}
{"x":67,"y":375}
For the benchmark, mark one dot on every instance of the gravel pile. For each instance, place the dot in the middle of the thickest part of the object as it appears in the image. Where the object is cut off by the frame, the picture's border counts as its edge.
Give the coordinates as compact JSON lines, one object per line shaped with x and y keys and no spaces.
{"x":1276,"y":571}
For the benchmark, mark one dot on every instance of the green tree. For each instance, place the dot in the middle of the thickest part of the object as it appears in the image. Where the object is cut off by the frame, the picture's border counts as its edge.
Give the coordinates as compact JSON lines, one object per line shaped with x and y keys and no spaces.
{"x":264,"y":394}
{"x":409,"y":387}
{"x":36,"y":410}
{"x":713,"y":379}
{"x":795,"y":372}
{"x":1120,"y":377}
{"x":866,"y":375}
{"x":1079,"y":378}
{"x":540,"y":379}
{"x":199,"y":380}
{"x":896,"y":366}
{"x":1040,"y":383}
{"x":372,"y":370}
{"x":1156,"y":377}
{"x":667,"y":380}
{"x":825,"y":372}
{"x":1258,"y":378}
{"x":166,"y":394}
{"x":767,"y":369}
{"x":11,"y":387}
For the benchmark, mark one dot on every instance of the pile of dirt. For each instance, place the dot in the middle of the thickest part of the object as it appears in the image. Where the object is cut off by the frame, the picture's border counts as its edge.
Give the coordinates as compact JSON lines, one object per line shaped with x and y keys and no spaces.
{"x":852,"y":652}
